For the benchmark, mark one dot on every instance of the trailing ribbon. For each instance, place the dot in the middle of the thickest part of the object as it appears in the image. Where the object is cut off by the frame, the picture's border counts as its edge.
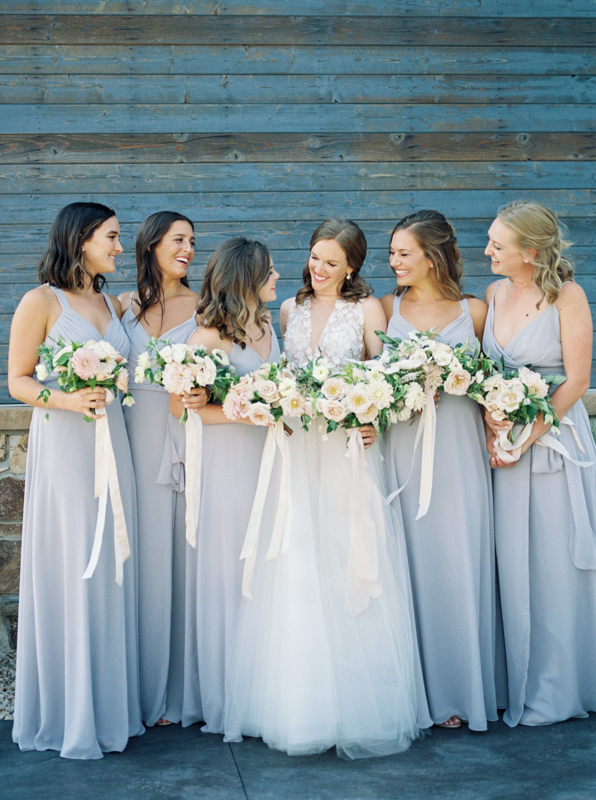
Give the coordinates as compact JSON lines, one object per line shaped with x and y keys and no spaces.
{"x":510,"y":452}
{"x":427,"y":428}
{"x":362,"y":582}
{"x":106,"y":478}
{"x":280,"y":538}
{"x":193,"y":428}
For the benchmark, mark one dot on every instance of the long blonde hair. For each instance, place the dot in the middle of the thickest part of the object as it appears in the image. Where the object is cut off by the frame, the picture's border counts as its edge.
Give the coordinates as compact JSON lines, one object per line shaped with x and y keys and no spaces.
{"x":236,"y":272}
{"x":537,"y":228}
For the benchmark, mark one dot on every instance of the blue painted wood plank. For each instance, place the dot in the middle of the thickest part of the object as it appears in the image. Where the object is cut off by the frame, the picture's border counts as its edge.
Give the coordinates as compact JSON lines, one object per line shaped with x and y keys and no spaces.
{"x":351,"y":176}
{"x":244,"y":89}
{"x":432,"y":8}
{"x":307,"y":118}
{"x":285,"y":59}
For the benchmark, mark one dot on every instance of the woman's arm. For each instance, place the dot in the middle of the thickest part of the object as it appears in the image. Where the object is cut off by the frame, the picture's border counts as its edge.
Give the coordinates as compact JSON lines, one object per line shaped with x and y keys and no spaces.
{"x":478,"y":312}
{"x":118,"y":308}
{"x":124,"y":300}
{"x":283,"y":314}
{"x":34,"y":317}
{"x":374,"y":320}
{"x":387,"y":303}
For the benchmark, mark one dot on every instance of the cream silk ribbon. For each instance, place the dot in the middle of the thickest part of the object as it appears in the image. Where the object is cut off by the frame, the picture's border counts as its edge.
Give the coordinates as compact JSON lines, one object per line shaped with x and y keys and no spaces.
{"x":106,"y":478}
{"x":362,"y":582}
{"x":510,"y":452}
{"x":427,"y":429}
{"x":193,"y":428}
{"x":280,"y":538}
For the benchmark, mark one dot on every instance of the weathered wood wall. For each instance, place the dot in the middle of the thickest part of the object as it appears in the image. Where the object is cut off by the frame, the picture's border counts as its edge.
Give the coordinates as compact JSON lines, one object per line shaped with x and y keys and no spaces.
{"x":265,"y":117}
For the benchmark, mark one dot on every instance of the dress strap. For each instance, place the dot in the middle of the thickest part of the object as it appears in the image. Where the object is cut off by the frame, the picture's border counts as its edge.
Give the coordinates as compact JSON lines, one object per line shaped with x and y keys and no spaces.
{"x":464,"y":305}
{"x":397,"y":303}
{"x":61,"y":296}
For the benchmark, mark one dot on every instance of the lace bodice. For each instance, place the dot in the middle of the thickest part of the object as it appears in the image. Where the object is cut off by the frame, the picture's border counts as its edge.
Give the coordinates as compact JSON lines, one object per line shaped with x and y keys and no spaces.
{"x":342,"y":338}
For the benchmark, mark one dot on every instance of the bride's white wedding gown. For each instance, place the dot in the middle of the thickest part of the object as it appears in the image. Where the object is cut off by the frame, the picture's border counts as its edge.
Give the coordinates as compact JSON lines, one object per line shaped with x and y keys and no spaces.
{"x":321,"y":655}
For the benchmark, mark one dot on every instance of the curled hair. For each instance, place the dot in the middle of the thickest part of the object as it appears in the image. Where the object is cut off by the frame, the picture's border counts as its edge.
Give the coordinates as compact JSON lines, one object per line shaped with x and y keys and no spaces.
{"x":235,"y":275}
{"x":149,"y":278}
{"x":537,"y":228}
{"x":352,"y":241}
{"x":436,"y":236}
{"x":62,"y":263}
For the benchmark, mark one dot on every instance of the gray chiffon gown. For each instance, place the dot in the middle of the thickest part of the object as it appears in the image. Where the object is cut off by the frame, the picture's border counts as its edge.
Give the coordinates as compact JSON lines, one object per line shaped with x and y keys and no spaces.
{"x":162,"y":540}
{"x":77,"y":688}
{"x":545,"y":523}
{"x":231,"y":460}
{"x":451,"y":549}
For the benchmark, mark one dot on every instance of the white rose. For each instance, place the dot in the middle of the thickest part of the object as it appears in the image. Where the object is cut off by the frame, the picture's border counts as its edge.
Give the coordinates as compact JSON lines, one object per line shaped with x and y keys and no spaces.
{"x":368,"y":416}
{"x":334,"y":388}
{"x":510,"y":399}
{"x":144,"y":361}
{"x":442,"y":354}
{"x":457,"y":382}
{"x":495,"y":381}
{"x":41,"y":372}
{"x":179,"y":352}
{"x":166,"y":354}
{"x":331,"y":409}
{"x":267,"y":389}
{"x":103,"y":350}
{"x":357,"y":399}
{"x":260,"y":414}
{"x":206,"y":372}
{"x":498,"y":415}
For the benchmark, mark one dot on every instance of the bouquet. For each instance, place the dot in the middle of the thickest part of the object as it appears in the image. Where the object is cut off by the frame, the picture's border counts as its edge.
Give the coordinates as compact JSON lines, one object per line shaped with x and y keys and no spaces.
{"x":78,"y":366}
{"x":264,"y":396}
{"x":349,"y":396}
{"x":181,"y":367}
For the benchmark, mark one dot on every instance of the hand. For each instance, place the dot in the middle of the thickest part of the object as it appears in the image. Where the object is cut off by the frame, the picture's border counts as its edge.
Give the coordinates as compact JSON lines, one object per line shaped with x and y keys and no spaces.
{"x":85,"y":401}
{"x":196,"y":399}
{"x":368,"y":434}
{"x":496,"y":424}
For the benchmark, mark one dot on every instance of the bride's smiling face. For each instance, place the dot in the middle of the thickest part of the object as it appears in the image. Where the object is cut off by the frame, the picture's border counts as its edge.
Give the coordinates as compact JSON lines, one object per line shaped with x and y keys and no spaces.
{"x":328,"y":267}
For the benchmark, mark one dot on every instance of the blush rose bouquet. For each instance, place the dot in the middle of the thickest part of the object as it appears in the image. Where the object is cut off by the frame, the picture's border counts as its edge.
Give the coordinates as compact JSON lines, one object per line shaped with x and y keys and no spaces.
{"x":182,"y":367}
{"x":79,"y":365}
{"x":264,"y":396}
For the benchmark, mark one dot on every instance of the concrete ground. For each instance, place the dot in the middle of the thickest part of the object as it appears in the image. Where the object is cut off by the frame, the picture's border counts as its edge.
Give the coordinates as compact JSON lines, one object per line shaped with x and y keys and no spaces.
{"x":555,"y":762}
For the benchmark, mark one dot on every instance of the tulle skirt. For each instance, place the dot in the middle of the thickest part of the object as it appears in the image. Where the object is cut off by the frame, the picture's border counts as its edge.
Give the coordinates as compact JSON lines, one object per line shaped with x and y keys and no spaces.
{"x":325,"y":655}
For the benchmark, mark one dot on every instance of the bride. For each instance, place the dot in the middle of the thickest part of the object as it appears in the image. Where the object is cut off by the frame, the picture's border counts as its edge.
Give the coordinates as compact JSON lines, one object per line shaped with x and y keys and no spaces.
{"x":321,"y":657}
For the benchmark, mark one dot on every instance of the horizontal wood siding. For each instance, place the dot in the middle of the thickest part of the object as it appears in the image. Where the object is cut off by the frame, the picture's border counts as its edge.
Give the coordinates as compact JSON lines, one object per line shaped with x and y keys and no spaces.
{"x":263,"y":118}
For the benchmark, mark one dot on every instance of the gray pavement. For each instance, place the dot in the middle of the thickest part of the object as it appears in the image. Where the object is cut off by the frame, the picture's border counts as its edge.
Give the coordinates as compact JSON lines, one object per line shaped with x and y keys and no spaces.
{"x":554,"y":762}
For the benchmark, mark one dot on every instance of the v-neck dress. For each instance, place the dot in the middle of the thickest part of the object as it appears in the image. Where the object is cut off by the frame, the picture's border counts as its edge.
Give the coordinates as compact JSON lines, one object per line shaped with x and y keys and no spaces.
{"x":231,"y":459}
{"x":77,"y":687}
{"x":545,"y":529}
{"x":161,"y":537}
{"x":451,"y":549}
{"x":306,"y":673}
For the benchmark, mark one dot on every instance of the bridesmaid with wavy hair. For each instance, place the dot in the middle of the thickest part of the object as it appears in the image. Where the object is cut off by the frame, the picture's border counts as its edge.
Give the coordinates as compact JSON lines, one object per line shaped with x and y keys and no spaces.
{"x":451,"y":548}
{"x":239,"y":281}
{"x":164,"y":307}
{"x":545,"y":503}
{"x":77,"y":687}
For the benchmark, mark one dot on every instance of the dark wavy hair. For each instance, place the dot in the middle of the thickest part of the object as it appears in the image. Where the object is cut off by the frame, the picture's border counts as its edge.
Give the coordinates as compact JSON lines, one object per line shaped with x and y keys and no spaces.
{"x":352,"y":241}
{"x":62,"y":263}
{"x":149,"y":278}
{"x":436,"y":236}
{"x":236,"y":272}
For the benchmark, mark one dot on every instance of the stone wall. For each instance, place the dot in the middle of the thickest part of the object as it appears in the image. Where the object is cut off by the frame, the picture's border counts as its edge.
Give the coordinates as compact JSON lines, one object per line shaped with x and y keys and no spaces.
{"x":14,"y":426}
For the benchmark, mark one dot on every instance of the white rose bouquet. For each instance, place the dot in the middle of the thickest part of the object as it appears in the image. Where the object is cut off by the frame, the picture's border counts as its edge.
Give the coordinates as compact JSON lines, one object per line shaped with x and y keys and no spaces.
{"x":182,"y":367}
{"x":264,"y":396}
{"x":349,"y":396}
{"x":79,"y":366}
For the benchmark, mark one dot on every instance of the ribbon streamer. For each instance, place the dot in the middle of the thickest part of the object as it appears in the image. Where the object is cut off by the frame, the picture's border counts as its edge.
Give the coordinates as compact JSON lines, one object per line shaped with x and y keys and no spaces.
{"x":106,"y":479}
{"x":193,"y":428}
{"x":427,"y":428}
{"x":510,"y":452}
{"x":362,"y":581}
{"x":276,"y":440}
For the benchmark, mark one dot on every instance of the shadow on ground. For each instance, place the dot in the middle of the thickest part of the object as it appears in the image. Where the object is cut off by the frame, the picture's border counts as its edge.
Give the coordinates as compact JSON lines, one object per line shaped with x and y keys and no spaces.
{"x":557,"y":762}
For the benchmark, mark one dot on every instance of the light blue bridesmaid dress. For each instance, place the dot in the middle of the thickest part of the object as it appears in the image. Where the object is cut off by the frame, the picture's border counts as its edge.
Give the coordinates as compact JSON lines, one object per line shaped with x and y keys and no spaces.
{"x":451,"y":549}
{"x":161,"y":537}
{"x":77,"y":688}
{"x":545,"y":523}
{"x":230,"y":468}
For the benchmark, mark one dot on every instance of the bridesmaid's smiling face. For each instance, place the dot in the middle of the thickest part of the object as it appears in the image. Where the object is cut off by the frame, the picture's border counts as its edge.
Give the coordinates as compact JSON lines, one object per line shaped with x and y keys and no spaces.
{"x":176,"y":250}
{"x":408,"y":260}
{"x":328,"y":267}
{"x":269,"y":291}
{"x":505,"y":256}
{"x":101,"y":249}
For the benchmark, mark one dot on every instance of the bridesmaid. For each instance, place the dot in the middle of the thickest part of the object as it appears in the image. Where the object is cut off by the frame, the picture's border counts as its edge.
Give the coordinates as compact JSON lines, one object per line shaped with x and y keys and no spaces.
{"x":77,"y":685}
{"x":451,"y":548}
{"x":545,"y":504}
{"x":163,"y":306}
{"x":239,"y":281}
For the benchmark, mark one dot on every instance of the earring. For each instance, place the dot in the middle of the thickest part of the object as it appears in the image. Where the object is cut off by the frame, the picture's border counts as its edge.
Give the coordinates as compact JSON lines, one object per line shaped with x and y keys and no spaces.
{"x":349,"y":276}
